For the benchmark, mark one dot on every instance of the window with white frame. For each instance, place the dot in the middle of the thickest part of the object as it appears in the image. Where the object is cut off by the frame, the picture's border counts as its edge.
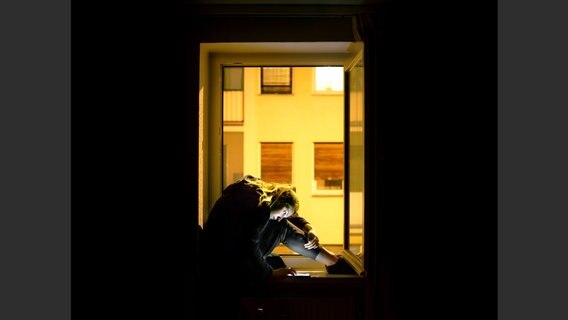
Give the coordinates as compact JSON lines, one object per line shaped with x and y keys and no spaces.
{"x":328,"y":80}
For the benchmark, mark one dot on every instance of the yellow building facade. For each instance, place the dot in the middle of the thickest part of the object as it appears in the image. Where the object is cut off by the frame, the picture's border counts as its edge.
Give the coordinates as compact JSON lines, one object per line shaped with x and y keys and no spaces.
{"x":303,"y":118}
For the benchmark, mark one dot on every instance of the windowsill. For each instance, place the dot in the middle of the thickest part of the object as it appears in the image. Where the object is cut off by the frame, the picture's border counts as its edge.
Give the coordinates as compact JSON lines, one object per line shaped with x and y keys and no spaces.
{"x":282,"y":250}
{"x":327,"y":93}
{"x":327,"y":193}
{"x":315,"y":269}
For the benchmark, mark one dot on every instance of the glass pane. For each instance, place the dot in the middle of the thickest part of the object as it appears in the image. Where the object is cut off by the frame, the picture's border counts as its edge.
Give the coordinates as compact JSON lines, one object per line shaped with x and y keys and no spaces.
{"x":356,"y":159}
{"x":329,"y":79}
{"x":273,"y":76}
{"x":233,"y":157}
{"x":232,"y":78}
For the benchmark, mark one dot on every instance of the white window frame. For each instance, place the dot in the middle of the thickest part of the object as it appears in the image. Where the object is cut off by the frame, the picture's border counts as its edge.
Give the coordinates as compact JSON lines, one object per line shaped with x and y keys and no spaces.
{"x":326,"y":92}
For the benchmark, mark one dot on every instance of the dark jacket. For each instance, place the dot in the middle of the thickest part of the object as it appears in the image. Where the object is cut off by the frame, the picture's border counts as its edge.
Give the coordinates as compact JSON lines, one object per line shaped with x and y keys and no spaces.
{"x":231,"y":234}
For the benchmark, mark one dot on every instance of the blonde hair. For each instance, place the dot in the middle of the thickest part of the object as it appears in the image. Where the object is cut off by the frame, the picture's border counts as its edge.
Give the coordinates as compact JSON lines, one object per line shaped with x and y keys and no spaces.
{"x":275,"y":195}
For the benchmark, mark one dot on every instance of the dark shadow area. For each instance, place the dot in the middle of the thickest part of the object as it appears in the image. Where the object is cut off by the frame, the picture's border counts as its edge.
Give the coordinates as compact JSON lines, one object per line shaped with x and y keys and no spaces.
{"x":134,"y":181}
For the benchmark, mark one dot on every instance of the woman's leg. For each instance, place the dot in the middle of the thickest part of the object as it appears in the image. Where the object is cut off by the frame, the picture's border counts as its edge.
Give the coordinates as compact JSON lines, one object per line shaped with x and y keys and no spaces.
{"x":327,"y":257}
{"x":271,"y":236}
{"x":295,"y":239}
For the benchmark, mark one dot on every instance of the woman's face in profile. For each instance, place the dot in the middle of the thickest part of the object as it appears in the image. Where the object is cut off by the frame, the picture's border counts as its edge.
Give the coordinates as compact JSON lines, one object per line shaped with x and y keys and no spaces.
{"x":280,"y":214}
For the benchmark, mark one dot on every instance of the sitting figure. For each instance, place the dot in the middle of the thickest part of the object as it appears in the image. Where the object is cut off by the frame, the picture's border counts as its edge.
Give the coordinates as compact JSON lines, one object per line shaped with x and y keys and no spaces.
{"x":244,"y":226}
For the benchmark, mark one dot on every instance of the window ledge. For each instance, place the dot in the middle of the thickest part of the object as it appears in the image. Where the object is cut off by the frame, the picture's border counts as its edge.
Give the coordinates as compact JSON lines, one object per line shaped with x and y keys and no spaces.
{"x":327,"y":193}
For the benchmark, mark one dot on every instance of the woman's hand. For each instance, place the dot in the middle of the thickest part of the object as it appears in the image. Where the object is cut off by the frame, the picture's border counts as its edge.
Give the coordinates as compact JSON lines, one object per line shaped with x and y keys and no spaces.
{"x":313,"y":241}
{"x":282,"y":273}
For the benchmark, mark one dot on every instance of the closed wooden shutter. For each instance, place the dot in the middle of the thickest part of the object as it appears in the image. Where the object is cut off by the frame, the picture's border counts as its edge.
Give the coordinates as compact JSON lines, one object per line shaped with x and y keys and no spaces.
{"x":276,"y":162}
{"x":328,"y":165}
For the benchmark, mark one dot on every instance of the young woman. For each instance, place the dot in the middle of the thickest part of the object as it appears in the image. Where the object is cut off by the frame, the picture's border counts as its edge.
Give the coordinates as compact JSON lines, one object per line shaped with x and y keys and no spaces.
{"x":244,"y":226}
{"x":248,"y":221}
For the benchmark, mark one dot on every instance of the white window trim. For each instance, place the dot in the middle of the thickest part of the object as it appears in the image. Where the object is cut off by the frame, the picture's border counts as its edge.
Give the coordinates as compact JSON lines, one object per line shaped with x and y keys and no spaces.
{"x":326,"y":193}
{"x":323,"y":93}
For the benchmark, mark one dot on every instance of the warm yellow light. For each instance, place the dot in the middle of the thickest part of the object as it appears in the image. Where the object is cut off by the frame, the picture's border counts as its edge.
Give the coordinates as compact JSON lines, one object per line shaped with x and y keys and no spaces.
{"x":329,"y":79}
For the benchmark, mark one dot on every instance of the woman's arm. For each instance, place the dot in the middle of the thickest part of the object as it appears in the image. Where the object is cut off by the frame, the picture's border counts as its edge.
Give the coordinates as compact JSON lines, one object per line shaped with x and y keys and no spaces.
{"x":313,"y":240}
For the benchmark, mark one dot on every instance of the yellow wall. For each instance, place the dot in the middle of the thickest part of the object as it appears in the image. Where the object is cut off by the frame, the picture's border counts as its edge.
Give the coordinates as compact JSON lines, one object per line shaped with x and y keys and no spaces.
{"x":301,"y":118}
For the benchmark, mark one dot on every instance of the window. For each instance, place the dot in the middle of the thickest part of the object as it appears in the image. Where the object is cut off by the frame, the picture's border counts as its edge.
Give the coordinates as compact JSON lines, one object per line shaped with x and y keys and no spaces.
{"x":276,"y":80}
{"x":328,"y":80}
{"x":233,"y":157}
{"x":328,"y":166}
{"x":233,"y":96}
{"x":276,"y":162}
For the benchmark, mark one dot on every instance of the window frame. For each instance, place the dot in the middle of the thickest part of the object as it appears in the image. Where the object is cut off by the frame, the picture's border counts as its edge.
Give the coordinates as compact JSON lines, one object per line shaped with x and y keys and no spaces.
{"x":235,"y":95}
{"x":327,"y":192}
{"x":327,"y":92}
{"x":276,"y":87}
{"x":291,"y":156}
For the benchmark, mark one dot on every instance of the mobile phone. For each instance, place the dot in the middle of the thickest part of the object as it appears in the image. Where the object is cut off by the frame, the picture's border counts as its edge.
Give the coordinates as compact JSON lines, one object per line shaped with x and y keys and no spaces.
{"x":301,"y":275}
